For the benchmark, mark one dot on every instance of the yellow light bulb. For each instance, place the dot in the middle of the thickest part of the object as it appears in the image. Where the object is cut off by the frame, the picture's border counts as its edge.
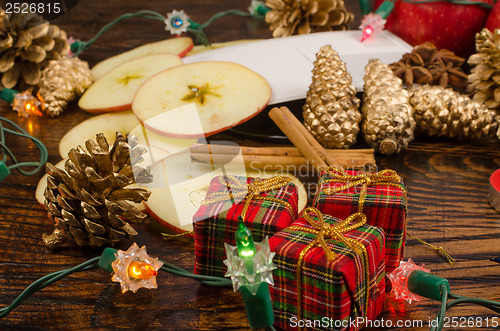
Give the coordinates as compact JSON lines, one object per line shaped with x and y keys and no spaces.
{"x":141,"y":270}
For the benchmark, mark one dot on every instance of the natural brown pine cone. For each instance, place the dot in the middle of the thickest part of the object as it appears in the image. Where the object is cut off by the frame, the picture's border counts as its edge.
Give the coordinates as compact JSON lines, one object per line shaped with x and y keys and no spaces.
{"x":27,"y":44}
{"x":291,"y":17}
{"x":90,"y":201}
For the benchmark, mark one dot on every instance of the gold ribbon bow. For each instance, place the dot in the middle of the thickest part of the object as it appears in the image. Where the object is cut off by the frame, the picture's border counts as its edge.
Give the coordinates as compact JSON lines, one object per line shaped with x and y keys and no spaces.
{"x":323,"y":231}
{"x":386,"y":177}
{"x":237,"y":189}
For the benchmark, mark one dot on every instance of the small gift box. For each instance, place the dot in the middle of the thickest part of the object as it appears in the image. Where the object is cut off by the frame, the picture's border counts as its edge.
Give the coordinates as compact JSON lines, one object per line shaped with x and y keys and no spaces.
{"x":330,"y":273}
{"x":380,"y":196}
{"x":266,"y":206}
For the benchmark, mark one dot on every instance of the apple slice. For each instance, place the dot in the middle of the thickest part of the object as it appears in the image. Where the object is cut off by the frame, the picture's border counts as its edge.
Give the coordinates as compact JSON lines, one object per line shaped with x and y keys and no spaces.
{"x":108,"y":124}
{"x":174,"y":205}
{"x":200,"y":99}
{"x":42,"y":184}
{"x":202,"y":48}
{"x":158,"y":147}
{"x":178,"y":46}
{"x":115,"y":90}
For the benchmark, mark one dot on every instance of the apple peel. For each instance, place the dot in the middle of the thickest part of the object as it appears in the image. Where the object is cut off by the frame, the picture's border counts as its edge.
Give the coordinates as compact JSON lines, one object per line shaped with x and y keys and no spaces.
{"x":179,"y":46}
{"x":115,"y":90}
{"x":200,"y":99}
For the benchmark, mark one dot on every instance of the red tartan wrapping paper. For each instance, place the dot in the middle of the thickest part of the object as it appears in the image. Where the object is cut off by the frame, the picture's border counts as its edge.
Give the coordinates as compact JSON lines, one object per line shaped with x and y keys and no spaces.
{"x":385,"y":206}
{"x":263,"y":218}
{"x":331,"y":290}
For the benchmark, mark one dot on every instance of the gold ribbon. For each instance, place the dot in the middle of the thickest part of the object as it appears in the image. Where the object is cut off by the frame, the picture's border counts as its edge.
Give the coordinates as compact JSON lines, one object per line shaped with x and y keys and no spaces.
{"x":336,"y":231}
{"x":249,"y":191}
{"x":384,"y":177}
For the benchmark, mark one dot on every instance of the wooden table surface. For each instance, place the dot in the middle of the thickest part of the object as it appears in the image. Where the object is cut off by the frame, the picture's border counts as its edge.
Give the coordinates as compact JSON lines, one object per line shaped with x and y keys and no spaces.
{"x":447,"y":185}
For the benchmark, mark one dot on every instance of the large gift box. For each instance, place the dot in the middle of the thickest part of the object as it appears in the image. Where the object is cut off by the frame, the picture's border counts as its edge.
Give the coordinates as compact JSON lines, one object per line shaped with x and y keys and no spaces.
{"x":266,"y":206}
{"x":330,"y":273}
{"x":380,"y":196}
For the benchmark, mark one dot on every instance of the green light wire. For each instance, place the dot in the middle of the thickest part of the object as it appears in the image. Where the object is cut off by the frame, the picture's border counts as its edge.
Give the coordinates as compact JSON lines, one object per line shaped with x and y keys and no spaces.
{"x":196,"y":29}
{"x":91,"y":264}
{"x":46,"y":281}
{"x":458,"y":299}
{"x":8,"y":153}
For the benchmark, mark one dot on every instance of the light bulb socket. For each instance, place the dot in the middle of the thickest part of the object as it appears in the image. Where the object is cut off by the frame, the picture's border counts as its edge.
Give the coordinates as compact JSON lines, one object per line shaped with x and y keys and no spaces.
{"x":259,"y":307}
{"x":427,"y":285}
{"x":385,"y":9}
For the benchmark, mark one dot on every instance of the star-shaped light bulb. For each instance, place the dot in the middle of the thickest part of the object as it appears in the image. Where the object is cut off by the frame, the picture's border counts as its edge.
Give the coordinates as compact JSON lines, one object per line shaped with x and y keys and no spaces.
{"x":134,"y":269}
{"x":399,"y":280}
{"x":371,"y":24}
{"x":26,"y":104}
{"x":177,"y":22}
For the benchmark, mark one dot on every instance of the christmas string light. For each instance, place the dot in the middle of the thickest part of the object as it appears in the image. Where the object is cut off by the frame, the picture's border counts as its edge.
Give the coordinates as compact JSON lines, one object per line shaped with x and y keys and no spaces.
{"x":250,"y":266}
{"x":176,"y":23}
{"x":410,"y":279}
{"x":105,"y":261}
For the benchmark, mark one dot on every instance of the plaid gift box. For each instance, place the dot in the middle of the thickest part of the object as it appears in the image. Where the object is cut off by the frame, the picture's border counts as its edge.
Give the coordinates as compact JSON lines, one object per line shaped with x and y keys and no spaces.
{"x":330,"y":273}
{"x":265,"y":205}
{"x":380,"y":196}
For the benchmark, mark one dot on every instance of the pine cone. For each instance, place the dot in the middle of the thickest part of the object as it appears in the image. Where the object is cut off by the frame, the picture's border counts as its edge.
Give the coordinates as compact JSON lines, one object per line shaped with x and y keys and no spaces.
{"x":331,"y":111}
{"x":88,"y":200}
{"x":484,"y":80}
{"x":427,"y":65}
{"x":289,"y":17}
{"x":63,"y":80}
{"x":388,"y":124}
{"x":27,"y":44}
{"x":441,"y":112}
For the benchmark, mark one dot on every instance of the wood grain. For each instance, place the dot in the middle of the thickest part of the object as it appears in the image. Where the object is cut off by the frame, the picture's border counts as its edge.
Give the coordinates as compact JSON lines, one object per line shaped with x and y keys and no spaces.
{"x":447,"y":189}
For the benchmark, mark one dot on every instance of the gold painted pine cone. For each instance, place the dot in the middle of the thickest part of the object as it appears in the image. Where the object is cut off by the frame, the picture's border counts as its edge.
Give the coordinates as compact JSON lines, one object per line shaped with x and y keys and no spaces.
{"x":62,"y":81}
{"x":27,"y":44}
{"x":388,"y":123}
{"x":90,"y":201}
{"x":292,"y":17}
{"x":443,"y":112}
{"x":331,"y":112}
{"x":484,"y":79}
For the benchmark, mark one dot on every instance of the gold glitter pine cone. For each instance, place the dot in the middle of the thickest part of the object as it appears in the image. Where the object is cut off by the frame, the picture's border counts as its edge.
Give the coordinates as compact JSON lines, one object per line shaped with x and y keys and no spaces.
{"x":291,"y":17}
{"x":27,"y":44}
{"x":90,"y":201}
{"x":388,"y":123}
{"x":62,"y":81}
{"x":443,"y":112}
{"x":331,"y":111}
{"x":484,"y":79}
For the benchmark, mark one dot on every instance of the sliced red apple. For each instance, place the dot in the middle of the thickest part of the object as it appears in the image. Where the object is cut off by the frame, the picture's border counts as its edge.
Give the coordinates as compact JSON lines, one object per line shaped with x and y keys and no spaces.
{"x":157,"y":147}
{"x":108,"y":124}
{"x":173,"y":205}
{"x":42,"y":184}
{"x":200,"y":99}
{"x":178,"y":46}
{"x":115,"y":90}
{"x":202,"y":48}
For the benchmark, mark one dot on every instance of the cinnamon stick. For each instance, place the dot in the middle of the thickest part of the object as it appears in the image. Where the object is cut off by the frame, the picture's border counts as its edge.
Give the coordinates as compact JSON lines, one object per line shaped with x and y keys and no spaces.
{"x":294,"y":134}
{"x":276,"y":158}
